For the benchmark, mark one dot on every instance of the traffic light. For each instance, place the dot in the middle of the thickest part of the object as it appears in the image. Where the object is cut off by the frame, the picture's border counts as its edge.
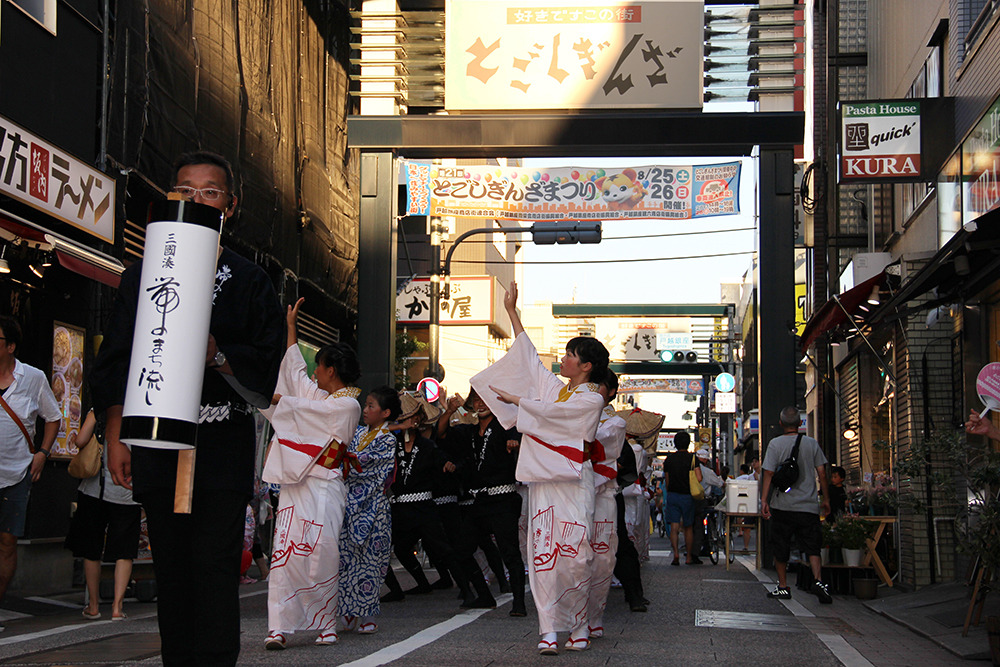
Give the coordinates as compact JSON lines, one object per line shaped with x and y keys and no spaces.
{"x":549,"y":233}
{"x":679,"y":356}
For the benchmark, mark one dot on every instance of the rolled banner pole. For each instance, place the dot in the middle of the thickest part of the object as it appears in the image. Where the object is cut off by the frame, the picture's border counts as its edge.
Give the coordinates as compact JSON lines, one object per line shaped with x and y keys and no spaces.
{"x":167,"y":367}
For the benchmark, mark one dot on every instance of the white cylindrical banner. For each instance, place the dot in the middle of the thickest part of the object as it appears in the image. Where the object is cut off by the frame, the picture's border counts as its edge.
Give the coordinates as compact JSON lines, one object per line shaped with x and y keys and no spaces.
{"x":167,"y":368}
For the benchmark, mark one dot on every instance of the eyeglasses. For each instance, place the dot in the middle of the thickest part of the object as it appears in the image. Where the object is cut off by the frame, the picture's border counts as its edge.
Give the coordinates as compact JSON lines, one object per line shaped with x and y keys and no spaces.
{"x":208,"y":194}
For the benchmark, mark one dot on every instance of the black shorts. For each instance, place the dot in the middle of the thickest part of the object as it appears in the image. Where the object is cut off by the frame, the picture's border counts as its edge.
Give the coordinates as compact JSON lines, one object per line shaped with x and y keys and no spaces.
{"x":803,"y":526}
{"x":93,"y":519}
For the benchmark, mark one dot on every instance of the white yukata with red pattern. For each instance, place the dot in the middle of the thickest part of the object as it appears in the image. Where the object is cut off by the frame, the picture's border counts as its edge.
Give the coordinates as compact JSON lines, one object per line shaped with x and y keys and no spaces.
{"x":607,"y":448}
{"x":302,"y":591}
{"x":556,"y":422}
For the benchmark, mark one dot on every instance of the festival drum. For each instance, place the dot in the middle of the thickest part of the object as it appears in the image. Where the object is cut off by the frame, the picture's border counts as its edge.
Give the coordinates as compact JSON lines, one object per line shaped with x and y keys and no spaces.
{"x":167,"y":368}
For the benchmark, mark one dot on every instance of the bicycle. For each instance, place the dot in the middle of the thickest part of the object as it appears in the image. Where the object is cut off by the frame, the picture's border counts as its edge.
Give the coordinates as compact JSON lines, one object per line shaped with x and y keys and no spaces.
{"x":715,"y":533}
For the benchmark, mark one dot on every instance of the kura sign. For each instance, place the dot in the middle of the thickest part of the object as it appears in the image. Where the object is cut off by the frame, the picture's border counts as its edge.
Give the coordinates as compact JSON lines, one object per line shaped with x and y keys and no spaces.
{"x":880,"y":141}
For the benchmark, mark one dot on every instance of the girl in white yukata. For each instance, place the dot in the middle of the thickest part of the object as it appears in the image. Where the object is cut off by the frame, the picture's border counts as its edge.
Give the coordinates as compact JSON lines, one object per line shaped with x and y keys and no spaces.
{"x":606,"y":449}
{"x":314,"y":419}
{"x":558,"y":422}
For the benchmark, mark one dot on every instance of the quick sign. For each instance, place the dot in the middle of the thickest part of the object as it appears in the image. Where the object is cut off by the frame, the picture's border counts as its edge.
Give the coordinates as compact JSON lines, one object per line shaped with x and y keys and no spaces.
{"x":981,"y":166}
{"x":573,"y":54}
{"x":36,"y":173}
{"x":880,"y":141}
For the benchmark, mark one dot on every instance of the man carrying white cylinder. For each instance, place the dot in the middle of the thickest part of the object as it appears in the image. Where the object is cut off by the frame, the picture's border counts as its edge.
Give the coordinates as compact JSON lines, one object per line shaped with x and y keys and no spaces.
{"x":197,"y":555}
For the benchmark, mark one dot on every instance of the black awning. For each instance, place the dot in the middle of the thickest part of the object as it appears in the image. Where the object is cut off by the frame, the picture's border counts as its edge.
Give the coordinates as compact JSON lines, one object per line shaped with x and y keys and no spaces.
{"x":965,"y":266}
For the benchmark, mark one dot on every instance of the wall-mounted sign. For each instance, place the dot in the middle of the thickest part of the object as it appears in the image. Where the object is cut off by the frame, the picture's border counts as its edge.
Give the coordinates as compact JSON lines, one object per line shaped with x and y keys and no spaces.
{"x":981,"y":166}
{"x":880,"y":141}
{"x":36,"y":173}
{"x":573,"y":54}
{"x":470,"y":301}
{"x":573,"y":193}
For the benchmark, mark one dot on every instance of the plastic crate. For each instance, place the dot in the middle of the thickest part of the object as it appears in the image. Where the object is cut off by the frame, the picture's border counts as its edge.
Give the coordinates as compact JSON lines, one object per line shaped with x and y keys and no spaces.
{"x":742,"y":496}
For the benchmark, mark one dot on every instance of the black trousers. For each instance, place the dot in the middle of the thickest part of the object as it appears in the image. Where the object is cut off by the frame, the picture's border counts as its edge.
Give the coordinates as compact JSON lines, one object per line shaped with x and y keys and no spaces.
{"x":497,"y":516}
{"x":420,"y":521}
{"x":627,"y":559}
{"x":196,"y":558}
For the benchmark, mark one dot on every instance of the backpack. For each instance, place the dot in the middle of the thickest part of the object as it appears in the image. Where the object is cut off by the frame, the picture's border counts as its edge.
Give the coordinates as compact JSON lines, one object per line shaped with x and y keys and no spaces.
{"x":788,"y":472}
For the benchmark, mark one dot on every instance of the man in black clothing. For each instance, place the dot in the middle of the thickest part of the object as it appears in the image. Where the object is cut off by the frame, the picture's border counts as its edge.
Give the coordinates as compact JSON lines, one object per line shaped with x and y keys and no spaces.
{"x":415,"y":517}
{"x":198,"y":555}
{"x":626,"y":557}
{"x":490,"y":463}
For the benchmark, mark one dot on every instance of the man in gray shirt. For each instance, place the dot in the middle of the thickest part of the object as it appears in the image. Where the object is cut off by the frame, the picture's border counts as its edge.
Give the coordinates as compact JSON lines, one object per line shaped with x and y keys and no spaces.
{"x":795,"y":512}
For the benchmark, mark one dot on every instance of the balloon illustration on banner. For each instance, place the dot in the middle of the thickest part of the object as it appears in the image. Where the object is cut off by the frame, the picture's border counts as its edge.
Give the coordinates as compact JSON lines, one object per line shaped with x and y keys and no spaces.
{"x":988,"y":387}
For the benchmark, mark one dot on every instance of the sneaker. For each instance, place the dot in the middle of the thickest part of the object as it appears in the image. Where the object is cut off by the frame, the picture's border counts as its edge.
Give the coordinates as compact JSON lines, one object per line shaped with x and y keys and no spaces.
{"x":780,"y":593}
{"x":821,"y":591}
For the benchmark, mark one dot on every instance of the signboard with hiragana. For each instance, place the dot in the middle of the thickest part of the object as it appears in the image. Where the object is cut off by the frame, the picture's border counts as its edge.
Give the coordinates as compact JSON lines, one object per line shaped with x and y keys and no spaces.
{"x":470,"y":301}
{"x":573,"y":54}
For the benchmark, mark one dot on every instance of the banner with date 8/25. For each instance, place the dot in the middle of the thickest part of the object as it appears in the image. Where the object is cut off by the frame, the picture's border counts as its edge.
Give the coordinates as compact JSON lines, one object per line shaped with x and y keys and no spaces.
{"x":573,"y":193}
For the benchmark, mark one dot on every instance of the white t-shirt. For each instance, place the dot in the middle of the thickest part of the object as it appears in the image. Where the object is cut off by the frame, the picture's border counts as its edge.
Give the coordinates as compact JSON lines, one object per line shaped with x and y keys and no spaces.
{"x":30,"y":397}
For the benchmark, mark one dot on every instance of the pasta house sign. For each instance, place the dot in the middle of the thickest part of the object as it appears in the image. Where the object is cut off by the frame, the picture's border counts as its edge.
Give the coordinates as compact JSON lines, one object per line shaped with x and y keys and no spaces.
{"x":880,"y":141}
{"x":575,"y":54}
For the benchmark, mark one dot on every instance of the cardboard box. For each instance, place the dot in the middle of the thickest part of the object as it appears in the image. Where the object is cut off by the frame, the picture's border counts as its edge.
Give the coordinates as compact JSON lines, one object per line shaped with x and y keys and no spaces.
{"x":742,"y":496}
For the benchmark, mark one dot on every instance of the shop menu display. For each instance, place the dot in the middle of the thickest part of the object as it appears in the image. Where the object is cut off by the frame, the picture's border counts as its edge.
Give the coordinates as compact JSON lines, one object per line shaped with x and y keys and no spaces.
{"x":67,"y":382}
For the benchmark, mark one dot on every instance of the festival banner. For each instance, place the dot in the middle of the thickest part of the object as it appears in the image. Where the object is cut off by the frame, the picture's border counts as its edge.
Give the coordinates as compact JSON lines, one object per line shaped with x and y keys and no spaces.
{"x":654,"y":192}
{"x":661,"y":385}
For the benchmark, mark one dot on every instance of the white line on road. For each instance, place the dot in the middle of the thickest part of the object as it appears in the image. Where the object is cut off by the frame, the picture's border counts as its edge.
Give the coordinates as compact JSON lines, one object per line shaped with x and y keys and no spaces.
{"x":424,"y":637}
{"x":57,"y":603}
{"x":842,"y":651}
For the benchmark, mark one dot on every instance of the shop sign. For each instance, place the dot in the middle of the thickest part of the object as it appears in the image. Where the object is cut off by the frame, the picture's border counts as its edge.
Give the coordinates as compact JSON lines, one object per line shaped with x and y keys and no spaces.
{"x":661,"y":385}
{"x":981,"y":166}
{"x":649,"y":192}
{"x":636,"y":340}
{"x":880,"y":141}
{"x":470,"y":301}
{"x":665,"y":442}
{"x":573,"y":54}
{"x":36,"y":173}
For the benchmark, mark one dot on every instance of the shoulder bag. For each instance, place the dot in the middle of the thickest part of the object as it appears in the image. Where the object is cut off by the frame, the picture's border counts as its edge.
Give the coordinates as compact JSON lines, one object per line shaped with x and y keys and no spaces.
{"x":697,"y":490}
{"x":87,"y":462}
{"x":788,"y":472}
{"x":20,"y":424}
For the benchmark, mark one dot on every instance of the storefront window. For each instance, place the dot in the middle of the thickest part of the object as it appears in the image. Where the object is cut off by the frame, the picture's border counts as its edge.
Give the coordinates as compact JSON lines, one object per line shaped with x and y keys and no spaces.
{"x":981,"y":166}
{"x":949,"y":199}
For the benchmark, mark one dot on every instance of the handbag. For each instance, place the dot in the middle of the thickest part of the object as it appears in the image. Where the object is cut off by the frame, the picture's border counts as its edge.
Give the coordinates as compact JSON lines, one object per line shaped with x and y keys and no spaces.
{"x":87,"y":462}
{"x":788,"y":472}
{"x":697,"y":490}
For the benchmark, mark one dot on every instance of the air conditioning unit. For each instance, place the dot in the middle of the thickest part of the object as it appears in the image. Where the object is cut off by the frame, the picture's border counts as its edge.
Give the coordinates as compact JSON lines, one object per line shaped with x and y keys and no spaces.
{"x":865,"y":265}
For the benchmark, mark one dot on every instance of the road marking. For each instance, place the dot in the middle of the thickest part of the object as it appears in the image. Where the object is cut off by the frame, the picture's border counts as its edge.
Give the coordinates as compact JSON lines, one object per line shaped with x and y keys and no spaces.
{"x":57,"y":603}
{"x":424,"y":637}
{"x":842,"y":651}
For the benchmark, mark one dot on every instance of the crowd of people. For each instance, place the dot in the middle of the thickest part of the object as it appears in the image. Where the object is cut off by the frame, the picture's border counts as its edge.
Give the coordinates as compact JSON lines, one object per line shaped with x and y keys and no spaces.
{"x":536,"y":473}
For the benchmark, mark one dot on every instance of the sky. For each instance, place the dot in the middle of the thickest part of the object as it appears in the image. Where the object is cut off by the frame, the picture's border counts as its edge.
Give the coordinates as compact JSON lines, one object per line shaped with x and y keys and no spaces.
{"x":564,"y":279}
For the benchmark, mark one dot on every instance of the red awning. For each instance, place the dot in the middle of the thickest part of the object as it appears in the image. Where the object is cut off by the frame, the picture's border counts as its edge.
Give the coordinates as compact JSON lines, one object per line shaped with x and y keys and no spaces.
{"x":831,"y":315}
{"x":72,"y":255}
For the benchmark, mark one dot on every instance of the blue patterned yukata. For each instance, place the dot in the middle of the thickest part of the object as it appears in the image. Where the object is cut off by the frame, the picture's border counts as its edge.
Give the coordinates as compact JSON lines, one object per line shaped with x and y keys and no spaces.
{"x":366,"y":538}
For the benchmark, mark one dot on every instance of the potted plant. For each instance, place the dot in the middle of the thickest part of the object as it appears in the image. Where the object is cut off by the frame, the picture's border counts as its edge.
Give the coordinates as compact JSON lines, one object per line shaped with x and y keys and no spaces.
{"x":853,"y":532}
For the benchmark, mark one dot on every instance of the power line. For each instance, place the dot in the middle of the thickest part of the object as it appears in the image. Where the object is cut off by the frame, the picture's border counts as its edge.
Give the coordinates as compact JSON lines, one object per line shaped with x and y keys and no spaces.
{"x":609,"y":261}
{"x":527,"y":230}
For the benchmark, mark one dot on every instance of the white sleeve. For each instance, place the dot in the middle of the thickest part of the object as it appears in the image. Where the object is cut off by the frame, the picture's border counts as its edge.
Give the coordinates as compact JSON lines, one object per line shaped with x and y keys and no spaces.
{"x":519,"y":372}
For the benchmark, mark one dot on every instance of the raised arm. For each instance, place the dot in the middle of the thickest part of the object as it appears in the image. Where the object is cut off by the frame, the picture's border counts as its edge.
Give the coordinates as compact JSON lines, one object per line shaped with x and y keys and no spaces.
{"x":292,"y":319}
{"x":510,"y":305}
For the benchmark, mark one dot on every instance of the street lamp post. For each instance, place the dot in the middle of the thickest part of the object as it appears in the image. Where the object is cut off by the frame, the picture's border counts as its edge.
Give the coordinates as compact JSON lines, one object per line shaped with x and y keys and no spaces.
{"x":542,"y":233}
